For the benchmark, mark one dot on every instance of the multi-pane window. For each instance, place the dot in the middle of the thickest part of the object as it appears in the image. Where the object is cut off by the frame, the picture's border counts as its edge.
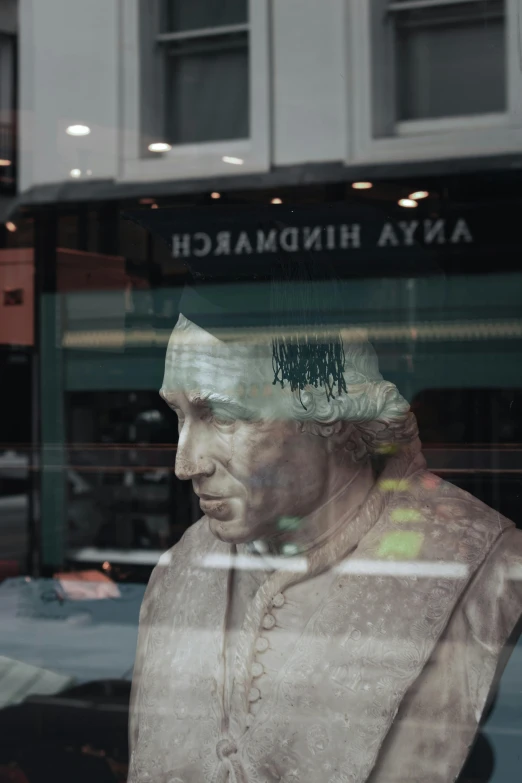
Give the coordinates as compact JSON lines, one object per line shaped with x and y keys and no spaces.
{"x":450,"y":57}
{"x":205,"y":44}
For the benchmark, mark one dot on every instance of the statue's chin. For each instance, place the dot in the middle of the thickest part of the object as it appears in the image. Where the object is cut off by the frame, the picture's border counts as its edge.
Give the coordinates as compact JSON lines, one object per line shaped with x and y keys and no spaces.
{"x":230,"y":531}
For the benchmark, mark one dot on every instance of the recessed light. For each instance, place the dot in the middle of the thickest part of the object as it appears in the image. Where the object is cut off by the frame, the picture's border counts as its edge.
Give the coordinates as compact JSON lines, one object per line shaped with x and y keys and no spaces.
{"x":362,"y":185}
{"x":418,"y":195}
{"x":5,"y":162}
{"x":215,"y":195}
{"x":408,"y":203}
{"x":277,"y":201}
{"x":232,"y":160}
{"x":160,"y":146}
{"x":10,"y":226}
{"x":76,"y":173}
{"x":78,"y":130}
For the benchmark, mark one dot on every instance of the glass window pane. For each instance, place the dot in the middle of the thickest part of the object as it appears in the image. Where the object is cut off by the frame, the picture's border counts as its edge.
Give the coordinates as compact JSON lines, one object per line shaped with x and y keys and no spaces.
{"x":451,"y":62}
{"x":207,"y":93}
{"x":197,"y":14}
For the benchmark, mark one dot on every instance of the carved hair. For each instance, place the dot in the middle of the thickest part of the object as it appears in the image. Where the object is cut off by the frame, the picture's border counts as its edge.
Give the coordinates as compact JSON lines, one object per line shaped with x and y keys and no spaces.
{"x":381,"y":416}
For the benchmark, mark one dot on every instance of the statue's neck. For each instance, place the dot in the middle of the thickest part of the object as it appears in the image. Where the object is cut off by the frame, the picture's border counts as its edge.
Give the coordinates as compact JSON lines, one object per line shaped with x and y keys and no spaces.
{"x":347,"y":490}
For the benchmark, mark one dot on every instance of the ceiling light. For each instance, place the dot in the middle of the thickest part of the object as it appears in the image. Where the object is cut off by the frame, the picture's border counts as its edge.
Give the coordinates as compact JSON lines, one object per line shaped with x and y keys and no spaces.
{"x":78,"y":130}
{"x":76,"y":173}
{"x":5,"y":162}
{"x":147,"y":200}
{"x":154,"y":206}
{"x":160,"y":146}
{"x":10,"y":226}
{"x":232,"y":160}
{"x":418,"y":195}
{"x":362,"y":185}
{"x":407,"y":202}
{"x":215,"y":194}
{"x":277,"y":201}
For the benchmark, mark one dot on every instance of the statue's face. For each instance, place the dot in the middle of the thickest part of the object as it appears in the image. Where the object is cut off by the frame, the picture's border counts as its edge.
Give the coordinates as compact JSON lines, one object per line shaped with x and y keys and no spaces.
{"x":251,"y":465}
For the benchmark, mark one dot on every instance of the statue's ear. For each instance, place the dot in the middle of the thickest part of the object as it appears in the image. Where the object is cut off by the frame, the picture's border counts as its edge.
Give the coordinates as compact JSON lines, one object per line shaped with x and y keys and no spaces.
{"x":338,"y":435}
{"x":347,"y":436}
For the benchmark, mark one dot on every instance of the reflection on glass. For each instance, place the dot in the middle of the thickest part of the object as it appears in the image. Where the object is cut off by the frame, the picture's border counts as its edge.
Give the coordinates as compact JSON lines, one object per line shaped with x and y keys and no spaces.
{"x":451,"y":60}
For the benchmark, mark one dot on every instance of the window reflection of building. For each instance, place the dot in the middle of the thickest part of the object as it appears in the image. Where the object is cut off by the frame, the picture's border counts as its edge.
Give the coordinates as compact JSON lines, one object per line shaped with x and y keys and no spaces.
{"x":116,"y":315}
{"x":123,"y":445}
{"x":450,"y":58}
{"x":472,"y":438}
{"x":204,"y":50}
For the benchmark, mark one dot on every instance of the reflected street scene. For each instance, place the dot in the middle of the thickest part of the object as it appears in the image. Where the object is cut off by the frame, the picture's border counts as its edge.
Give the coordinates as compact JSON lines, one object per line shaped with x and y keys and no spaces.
{"x":261,"y":391}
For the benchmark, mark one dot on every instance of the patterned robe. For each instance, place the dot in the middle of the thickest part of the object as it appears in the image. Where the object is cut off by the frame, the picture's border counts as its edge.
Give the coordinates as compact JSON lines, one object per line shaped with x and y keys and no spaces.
{"x":372,"y":661}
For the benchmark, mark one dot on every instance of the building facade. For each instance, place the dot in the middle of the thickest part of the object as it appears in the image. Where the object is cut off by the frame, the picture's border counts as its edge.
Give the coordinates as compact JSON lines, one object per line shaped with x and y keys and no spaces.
{"x":352,"y":82}
{"x":361,"y":104}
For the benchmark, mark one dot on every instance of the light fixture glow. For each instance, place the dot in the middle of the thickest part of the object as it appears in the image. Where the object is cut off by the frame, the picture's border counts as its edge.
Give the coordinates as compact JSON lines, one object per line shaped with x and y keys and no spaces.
{"x":154,"y":206}
{"x":418,"y":195}
{"x":5,"y":162}
{"x":232,"y":160}
{"x":215,"y":195}
{"x":160,"y":146}
{"x":78,"y":130}
{"x":10,"y":226}
{"x":147,"y":200}
{"x":362,"y":185}
{"x":76,"y":173}
{"x":277,"y":201}
{"x":408,"y":203}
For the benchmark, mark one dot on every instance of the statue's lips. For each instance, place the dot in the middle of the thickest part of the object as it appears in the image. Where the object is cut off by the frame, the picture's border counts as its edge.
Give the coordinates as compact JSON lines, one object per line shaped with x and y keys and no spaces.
{"x":215,"y":507}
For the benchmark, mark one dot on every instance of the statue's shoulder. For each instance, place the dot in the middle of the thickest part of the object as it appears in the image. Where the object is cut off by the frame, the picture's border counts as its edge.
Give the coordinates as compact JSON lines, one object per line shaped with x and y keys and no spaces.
{"x":447,"y":522}
{"x":447,"y":502}
{"x":195,"y":543}
{"x":504,"y":562}
{"x":197,"y":535}
{"x":492,"y":601}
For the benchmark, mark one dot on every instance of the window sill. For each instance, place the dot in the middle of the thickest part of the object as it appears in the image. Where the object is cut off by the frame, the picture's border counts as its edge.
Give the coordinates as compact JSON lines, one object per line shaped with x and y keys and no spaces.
{"x":197,"y":161}
{"x":498,"y":137}
{"x":443,"y":124}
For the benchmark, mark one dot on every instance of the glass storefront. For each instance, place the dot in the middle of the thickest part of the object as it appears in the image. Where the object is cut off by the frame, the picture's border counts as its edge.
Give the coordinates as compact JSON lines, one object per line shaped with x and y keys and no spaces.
{"x":438,"y":296}
{"x":444,"y":322}
{"x":260,"y":391}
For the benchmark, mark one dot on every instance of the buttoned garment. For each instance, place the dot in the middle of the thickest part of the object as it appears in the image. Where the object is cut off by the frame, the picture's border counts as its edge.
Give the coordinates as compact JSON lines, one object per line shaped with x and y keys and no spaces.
{"x":361,"y":675}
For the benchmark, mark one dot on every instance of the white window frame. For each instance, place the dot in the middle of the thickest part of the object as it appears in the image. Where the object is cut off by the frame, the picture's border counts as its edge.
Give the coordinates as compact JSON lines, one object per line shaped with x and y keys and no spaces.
{"x":429,"y":139}
{"x":200,"y":160}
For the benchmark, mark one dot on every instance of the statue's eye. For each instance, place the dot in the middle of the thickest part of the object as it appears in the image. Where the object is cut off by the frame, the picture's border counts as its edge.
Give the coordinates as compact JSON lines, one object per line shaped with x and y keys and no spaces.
{"x":223,"y":419}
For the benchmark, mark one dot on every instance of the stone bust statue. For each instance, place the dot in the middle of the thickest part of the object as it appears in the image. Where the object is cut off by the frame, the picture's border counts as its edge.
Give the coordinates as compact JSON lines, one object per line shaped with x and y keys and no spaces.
{"x":338,"y":614}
